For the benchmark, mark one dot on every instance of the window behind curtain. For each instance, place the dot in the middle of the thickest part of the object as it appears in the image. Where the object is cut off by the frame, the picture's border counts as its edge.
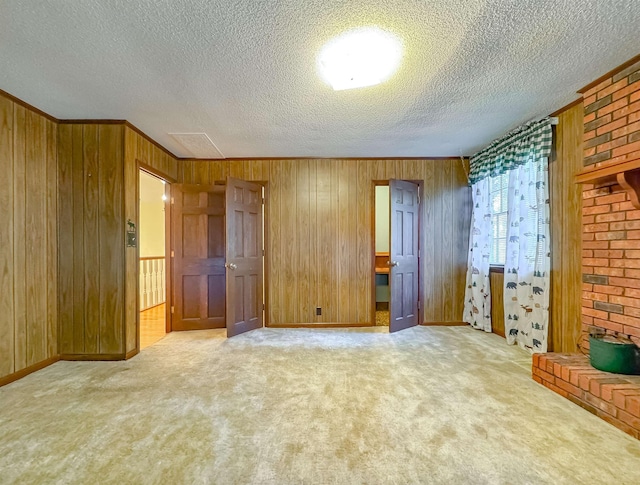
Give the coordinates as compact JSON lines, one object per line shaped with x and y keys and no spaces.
{"x":498,"y":196}
{"x":498,"y":187}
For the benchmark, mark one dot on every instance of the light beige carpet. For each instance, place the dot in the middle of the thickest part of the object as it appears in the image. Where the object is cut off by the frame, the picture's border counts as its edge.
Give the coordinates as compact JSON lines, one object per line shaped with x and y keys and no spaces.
{"x":276,"y":406}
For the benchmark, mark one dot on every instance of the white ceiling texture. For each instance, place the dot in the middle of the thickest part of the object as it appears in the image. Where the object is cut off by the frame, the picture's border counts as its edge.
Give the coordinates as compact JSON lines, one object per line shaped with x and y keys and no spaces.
{"x":244,"y":71}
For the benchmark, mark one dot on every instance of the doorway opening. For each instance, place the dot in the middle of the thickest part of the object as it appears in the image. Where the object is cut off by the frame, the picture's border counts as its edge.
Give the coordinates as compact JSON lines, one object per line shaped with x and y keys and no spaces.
{"x":218,"y":256}
{"x":154,"y":194}
{"x":382,"y":254}
{"x":397,"y":278}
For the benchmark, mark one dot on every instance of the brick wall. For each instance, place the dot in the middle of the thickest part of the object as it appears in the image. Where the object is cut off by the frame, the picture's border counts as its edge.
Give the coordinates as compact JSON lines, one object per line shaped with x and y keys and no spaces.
{"x":611,"y":225}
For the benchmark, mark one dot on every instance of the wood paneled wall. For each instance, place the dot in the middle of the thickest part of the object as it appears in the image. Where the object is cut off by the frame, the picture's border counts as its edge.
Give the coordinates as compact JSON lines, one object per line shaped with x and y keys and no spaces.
{"x":68,"y":283}
{"x":28,"y":241}
{"x":496,"y":282}
{"x":91,"y":236}
{"x":566,"y":239}
{"x":98,"y":181}
{"x":566,"y":232}
{"x":319,"y":233}
{"x":138,"y":149}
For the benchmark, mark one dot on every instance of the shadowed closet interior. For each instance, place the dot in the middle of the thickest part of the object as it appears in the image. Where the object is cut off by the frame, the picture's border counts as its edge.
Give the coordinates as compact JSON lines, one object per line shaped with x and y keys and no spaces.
{"x":382,"y":286}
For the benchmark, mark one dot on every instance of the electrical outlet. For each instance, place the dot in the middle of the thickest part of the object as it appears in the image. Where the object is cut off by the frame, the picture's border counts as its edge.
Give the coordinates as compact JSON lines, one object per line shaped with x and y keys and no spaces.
{"x":318,"y":311}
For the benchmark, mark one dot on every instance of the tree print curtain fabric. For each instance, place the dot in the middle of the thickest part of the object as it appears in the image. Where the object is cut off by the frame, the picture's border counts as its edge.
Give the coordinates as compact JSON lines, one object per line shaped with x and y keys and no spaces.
{"x":528,"y":262}
{"x":477,"y":301}
{"x":524,"y":154}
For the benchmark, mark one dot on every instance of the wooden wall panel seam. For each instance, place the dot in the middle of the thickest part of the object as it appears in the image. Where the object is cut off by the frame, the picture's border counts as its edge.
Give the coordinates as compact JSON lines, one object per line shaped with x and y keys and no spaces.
{"x":91,"y":238}
{"x":52,"y":238}
{"x":35,"y":237}
{"x":77,"y":230}
{"x":20,"y":297}
{"x":7,"y":195}
{"x":28,"y":236}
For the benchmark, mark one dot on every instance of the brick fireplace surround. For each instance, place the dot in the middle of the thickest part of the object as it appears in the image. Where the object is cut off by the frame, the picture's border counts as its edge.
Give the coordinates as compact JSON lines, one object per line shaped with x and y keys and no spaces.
{"x":610,"y":256}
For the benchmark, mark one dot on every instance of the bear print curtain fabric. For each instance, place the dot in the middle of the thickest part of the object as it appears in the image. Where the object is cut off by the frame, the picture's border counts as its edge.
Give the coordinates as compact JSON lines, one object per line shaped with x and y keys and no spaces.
{"x":524,"y":155}
{"x":477,"y":308}
{"x":527,"y":264}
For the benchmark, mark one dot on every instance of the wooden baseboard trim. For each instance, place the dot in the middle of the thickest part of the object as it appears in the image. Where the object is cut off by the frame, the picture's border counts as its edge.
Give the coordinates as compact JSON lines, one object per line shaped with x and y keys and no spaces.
{"x":320,"y":325}
{"x":96,"y":357}
{"x":132,"y":353}
{"x":444,"y":324}
{"x":28,"y":370}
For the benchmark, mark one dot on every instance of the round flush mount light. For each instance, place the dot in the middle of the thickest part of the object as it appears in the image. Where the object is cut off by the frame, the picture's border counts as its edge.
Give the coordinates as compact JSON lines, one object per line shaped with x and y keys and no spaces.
{"x":361,"y":57}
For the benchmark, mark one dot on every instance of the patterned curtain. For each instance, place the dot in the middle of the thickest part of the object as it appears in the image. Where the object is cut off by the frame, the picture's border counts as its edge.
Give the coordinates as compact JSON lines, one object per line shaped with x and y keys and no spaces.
{"x":477,"y":299}
{"x":528,"y":262}
{"x":530,"y":141}
{"x":523,"y":153}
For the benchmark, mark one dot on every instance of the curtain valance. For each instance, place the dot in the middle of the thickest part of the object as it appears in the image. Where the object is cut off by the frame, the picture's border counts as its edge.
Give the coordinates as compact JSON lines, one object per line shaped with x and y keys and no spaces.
{"x":529,"y":141}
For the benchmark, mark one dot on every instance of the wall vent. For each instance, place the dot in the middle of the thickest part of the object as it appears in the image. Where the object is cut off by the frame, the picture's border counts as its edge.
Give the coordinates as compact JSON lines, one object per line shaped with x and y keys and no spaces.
{"x":198,"y":144}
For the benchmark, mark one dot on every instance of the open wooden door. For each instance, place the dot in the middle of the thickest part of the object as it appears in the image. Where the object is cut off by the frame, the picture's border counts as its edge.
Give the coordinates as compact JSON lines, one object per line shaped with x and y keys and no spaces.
{"x":403,"y":255}
{"x":245,"y":298}
{"x":198,"y":256}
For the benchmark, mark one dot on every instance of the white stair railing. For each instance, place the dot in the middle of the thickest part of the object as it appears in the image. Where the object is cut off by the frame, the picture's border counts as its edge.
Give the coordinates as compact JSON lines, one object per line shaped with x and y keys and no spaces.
{"x":152,"y":282}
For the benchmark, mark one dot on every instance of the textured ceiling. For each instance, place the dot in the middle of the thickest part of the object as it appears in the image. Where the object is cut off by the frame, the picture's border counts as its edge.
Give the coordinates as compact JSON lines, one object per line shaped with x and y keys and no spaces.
{"x":245,"y":73}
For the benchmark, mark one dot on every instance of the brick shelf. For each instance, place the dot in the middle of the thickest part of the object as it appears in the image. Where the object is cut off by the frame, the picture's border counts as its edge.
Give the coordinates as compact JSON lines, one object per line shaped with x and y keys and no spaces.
{"x":626,"y":174}
{"x":612,"y":397}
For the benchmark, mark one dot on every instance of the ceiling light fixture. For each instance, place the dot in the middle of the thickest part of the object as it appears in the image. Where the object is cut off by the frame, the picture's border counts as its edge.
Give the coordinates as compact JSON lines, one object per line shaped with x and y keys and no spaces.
{"x":361,"y":57}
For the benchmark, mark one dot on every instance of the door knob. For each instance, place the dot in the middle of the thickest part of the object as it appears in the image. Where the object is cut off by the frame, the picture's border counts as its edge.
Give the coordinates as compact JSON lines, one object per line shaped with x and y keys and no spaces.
{"x":392,"y":263}
{"x":231,"y":265}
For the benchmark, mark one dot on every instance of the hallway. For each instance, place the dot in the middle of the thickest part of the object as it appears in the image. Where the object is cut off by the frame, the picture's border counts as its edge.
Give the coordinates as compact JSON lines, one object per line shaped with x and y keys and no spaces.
{"x":152,"y":325}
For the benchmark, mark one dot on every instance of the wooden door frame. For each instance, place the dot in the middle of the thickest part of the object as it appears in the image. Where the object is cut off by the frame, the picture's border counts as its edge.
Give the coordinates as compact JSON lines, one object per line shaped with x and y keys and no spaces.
{"x":421,"y":237}
{"x":168,"y":246}
{"x":265,"y":258}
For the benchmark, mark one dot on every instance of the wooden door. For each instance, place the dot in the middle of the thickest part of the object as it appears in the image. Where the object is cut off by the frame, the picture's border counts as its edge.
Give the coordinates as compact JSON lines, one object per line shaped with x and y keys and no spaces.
{"x":403,"y":255}
{"x":198,"y":256}
{"x":245,"y":299}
